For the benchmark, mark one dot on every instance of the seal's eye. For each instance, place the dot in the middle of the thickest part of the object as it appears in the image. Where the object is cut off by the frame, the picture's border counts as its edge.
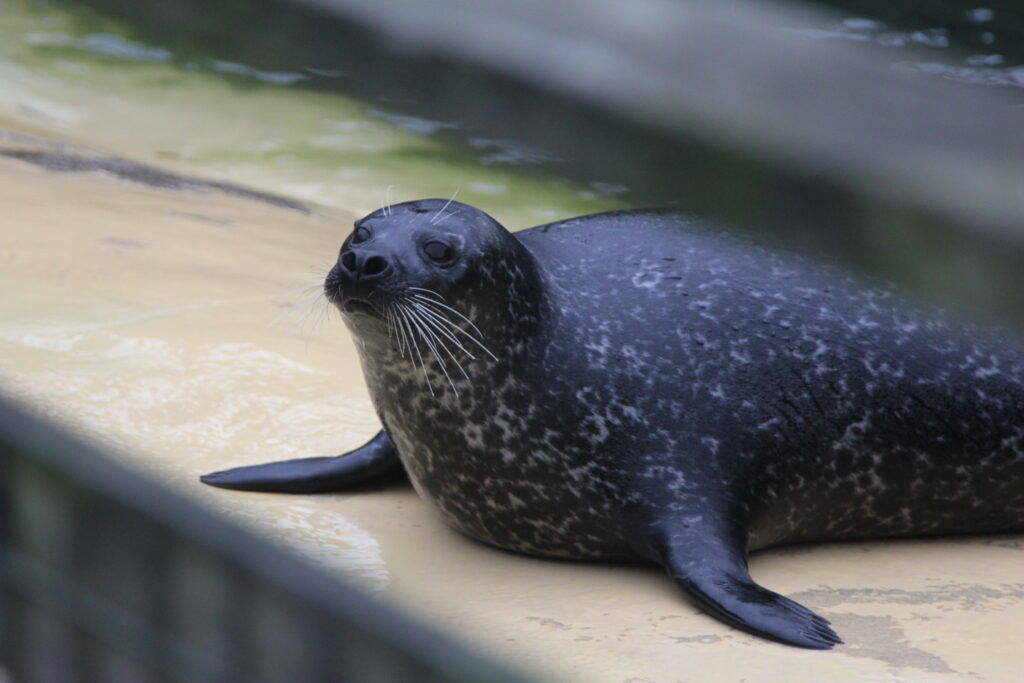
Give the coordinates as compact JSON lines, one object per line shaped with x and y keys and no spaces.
{"x":438,"y":251}
{"x":360,"y":235}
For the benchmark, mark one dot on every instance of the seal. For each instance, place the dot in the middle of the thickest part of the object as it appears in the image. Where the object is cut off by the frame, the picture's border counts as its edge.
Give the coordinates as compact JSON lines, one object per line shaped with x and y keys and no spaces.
{"x":633,"y":385}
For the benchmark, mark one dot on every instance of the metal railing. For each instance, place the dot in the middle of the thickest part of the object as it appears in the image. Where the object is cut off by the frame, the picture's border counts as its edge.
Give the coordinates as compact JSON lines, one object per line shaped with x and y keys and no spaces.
{"x":106,"y":576}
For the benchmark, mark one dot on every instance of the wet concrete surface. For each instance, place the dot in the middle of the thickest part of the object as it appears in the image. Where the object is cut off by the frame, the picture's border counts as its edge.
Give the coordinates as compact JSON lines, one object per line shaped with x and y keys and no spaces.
{"x":180,"y":327}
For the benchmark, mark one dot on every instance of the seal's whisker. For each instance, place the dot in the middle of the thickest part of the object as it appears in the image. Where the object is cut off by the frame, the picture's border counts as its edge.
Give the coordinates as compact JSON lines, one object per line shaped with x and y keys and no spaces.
{"x":313,"y":305}
{"x":416,"y":347}
{"x":389,"y":316}
{"x":387,"y":201}
{"x":403,"y":341}
{"x":406,"y":330}
{"x":323,"y":312}
{"x":423,"y":367}
{"x":399,"y":334}
{"x":309,"y":303}
{"x":383,"y":306}
{"x":455,"y":360}
{"x":440,"y":321}
{"x":427,"y":291}
{"x":432,"y":327}
{"x":441,"y":317}
{"x":429,"y":338}
{"x":437,"y":216}
{"x":391,"y":322}
{"x":315,"y":274}
{"x":455,"y":328}
{"x":435,"y":319}
{"x":440,"y":218}
{"x":310,"y":280}
{"x":446,"y":307}
{"x":421,"y":332}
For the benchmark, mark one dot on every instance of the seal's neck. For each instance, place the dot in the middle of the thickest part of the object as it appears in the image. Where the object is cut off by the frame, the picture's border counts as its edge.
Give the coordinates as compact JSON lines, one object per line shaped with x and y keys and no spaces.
{"x":508,"y":301}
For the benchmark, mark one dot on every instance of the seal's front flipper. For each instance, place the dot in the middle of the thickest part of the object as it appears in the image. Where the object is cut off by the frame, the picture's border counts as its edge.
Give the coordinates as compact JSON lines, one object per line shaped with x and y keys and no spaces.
{"x":713,"y":569}
{"x":313,"y":475}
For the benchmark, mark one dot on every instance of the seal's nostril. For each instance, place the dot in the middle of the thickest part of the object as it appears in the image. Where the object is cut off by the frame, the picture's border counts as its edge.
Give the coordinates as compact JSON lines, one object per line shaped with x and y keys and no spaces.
{"x":348,"y":260}
{"x":374,"y":265}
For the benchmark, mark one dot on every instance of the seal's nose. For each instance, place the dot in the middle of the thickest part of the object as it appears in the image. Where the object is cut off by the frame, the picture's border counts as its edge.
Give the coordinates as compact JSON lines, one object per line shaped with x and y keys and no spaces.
{"x":364,"y":266}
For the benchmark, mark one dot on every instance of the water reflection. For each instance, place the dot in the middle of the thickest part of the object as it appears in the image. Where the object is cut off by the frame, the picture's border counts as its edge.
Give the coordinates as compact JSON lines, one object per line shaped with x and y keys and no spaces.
{"x":105,"y":45}
{"x":975,"y":45}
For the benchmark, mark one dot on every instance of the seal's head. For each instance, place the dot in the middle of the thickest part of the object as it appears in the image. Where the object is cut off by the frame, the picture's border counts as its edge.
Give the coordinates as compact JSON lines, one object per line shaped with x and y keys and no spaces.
{"x":431,"y":277}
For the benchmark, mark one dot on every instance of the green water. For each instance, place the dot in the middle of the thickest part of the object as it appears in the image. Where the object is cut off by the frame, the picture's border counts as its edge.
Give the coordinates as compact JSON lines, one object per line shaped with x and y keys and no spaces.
{"x":68,"y":73}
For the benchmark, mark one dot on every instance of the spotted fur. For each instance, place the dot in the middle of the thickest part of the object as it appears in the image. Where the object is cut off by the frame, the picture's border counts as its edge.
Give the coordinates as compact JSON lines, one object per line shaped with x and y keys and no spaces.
{"x":661,"y":391}
{"x":649,"y":361}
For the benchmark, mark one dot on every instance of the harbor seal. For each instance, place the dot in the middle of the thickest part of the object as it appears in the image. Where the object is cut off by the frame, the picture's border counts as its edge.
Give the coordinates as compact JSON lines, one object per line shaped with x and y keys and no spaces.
{"x":633,"y":385}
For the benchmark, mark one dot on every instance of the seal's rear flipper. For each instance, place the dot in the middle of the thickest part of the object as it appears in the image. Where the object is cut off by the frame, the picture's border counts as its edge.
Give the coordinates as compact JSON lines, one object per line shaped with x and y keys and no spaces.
{"x":713,"y":569}
{"x":313,"y":475}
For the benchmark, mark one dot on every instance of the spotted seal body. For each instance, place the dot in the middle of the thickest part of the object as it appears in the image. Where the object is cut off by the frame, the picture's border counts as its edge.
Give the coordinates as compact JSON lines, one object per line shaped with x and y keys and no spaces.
{"x":632,"y":385}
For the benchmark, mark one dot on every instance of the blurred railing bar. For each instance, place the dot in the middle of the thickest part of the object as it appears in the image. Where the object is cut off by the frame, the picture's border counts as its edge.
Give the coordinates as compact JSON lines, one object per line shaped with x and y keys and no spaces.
{"x":105,"y":575}
{"x":730,"y":109}
{"x":121,"y":629}
{"x":740,"y":72}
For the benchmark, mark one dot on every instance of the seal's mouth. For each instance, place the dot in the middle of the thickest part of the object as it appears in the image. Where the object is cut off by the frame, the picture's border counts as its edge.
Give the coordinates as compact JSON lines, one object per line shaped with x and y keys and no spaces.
{"x":347,"y":303}
{"x":354,"y":305}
